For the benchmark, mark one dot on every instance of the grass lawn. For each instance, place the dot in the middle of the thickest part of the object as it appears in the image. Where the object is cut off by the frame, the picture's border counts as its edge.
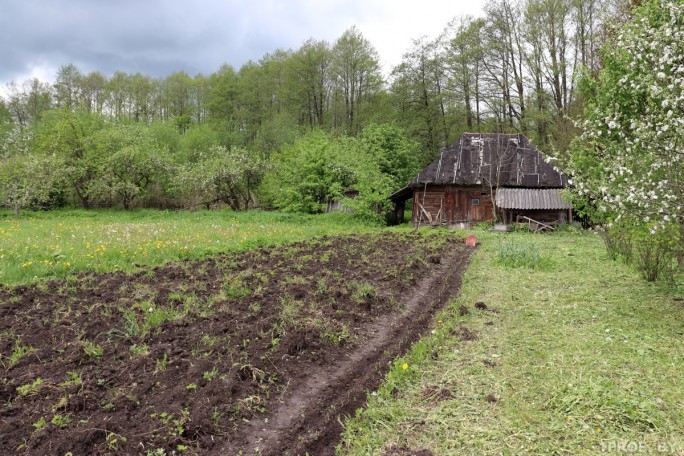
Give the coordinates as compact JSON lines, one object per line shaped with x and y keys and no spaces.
{"x":56,"y":243}
{"x":578,"y":356}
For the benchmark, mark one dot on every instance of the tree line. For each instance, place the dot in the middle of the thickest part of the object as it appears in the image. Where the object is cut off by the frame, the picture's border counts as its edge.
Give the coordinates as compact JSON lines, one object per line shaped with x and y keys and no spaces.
{"x":232,"y":136}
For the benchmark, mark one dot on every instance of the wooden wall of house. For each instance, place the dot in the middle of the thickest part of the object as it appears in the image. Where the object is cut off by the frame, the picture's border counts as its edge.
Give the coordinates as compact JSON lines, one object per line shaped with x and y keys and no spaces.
{"x":451,"y":205}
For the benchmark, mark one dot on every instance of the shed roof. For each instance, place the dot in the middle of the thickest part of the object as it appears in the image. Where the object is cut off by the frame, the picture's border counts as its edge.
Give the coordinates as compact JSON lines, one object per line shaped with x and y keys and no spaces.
{"x":402,"y":194}
{"x":528,"y":198}
{"x":496,"y":159}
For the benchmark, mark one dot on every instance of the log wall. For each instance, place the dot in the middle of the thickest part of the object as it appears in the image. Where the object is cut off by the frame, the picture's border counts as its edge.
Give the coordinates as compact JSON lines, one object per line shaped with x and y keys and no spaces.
{"x":451,"y":205}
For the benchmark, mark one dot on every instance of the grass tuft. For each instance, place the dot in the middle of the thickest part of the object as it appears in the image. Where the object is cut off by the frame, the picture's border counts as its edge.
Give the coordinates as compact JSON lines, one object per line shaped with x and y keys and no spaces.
{"x":514,"y":253}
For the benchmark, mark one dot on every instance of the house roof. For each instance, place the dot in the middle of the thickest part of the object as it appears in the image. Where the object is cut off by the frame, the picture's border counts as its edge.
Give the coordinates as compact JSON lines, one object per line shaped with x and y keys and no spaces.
{"x":491,"y":159}
{"x":528,"y":198}
{"x":402,"y":194}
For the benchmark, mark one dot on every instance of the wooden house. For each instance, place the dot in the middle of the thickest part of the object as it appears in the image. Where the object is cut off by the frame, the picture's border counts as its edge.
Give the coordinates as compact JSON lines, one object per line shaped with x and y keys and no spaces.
{"x":485,"y":176}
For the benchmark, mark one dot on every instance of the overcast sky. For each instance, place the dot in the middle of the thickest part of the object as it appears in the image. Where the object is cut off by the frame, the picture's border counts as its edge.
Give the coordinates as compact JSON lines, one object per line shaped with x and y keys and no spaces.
{"x":159,"y":37}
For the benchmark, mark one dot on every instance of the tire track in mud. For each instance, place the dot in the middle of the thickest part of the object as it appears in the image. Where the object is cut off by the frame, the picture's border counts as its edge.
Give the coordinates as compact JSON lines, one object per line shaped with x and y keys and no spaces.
{"x":307,"y":419}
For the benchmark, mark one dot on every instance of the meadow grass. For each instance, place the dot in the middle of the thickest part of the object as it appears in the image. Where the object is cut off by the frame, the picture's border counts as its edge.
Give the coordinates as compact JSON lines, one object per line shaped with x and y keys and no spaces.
{"x":580,"y":356}
{"x":54,"y":244}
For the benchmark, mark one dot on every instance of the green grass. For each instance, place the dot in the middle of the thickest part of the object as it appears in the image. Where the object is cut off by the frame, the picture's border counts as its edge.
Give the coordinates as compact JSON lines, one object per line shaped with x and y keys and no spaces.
{"x":515,"y":254}
{"x":581,"y":357}
{"x":57,"y":243}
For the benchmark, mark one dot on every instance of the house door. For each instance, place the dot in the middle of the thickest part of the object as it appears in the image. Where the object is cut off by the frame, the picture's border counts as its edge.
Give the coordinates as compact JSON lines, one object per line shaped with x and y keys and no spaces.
{"x":480,"y":206}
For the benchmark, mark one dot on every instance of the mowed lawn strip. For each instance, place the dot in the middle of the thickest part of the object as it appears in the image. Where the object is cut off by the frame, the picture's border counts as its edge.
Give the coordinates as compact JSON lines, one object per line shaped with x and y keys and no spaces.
{"x":576,"y":356}
{"x":56,"y":243}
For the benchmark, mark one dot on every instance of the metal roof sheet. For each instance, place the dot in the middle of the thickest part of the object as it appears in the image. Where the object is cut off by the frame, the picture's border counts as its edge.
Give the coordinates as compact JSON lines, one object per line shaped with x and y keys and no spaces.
{"x":528,"y":198}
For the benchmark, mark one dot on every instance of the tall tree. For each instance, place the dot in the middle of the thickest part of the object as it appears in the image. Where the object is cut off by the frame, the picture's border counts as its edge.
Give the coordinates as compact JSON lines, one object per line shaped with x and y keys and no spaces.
{"x":139,"y":93}
{"x":67,"y":86}
{"x":464,"y":62}
{"x":27,"y":103}
{"x":223,"y":103}
{"x":418,"y":97}
{"x":177,"y":90}
{"x":117,"y":100}
{"x":68,"y":135}
{"x":504,"y":64}
{"x":357,"y":78}
{"x":311,"y":73}
{"x":93,"y":92}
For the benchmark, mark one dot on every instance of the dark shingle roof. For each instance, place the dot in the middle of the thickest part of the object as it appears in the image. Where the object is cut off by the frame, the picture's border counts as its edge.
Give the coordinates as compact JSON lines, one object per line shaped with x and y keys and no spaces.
{"x":478,"y":158}
{"x":528,"y":198}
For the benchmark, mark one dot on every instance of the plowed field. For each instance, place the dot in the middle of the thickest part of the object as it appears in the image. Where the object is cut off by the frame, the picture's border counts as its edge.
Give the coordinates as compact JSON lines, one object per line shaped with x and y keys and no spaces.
{"x":259,"y":352}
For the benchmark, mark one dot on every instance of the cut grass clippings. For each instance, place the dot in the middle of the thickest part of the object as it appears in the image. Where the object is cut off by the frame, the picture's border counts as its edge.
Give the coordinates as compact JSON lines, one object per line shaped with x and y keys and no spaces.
{"x":577,"y":356}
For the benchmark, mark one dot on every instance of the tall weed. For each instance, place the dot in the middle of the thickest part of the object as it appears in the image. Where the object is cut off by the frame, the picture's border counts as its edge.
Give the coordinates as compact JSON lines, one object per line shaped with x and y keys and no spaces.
{"x":515,"y":254}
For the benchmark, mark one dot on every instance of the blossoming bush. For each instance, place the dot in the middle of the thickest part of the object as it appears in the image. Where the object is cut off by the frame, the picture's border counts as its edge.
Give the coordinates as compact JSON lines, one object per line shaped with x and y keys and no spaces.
{"x":630,"y":158}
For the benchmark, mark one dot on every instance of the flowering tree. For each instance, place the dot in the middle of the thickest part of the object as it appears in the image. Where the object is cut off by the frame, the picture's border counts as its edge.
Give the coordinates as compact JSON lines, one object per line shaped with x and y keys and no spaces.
{"x":222,"y":175}
{"x":27,"y":179}
{"x":630,"y":158}
{"x":131,"y":160}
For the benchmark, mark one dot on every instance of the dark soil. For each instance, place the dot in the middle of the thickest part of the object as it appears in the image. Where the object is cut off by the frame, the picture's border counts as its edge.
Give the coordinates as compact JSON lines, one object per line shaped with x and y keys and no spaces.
{"x":491,"y":399}
{"x":464,"y":333}
{"x":256,"y":352}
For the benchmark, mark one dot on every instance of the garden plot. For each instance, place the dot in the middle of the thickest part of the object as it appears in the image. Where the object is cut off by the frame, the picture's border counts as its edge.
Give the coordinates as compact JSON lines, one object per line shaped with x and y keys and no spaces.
{"x":259,"y":351}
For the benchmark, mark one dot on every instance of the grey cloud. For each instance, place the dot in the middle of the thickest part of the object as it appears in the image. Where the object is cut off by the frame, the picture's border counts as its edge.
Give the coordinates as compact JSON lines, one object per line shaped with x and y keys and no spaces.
{"x":153,"y":37}
{"x":159,"y":37}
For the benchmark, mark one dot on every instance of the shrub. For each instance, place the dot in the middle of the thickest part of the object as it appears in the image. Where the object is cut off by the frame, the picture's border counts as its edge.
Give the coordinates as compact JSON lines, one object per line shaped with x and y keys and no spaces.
{"x":655,"y":257}
{"x":618,"y":242}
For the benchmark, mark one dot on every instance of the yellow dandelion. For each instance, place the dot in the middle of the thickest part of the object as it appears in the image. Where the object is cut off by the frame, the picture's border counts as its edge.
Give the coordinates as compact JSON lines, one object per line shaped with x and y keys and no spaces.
{"x":404,"y":366}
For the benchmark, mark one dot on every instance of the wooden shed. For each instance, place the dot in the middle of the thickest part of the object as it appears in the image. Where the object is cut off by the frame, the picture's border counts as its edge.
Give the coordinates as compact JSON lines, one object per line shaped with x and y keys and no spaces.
{"x":480,"y":177}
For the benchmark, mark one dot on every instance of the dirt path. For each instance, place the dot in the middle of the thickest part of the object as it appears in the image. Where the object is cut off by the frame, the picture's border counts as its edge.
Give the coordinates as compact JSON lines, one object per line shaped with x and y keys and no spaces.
{"x":307,"y":418}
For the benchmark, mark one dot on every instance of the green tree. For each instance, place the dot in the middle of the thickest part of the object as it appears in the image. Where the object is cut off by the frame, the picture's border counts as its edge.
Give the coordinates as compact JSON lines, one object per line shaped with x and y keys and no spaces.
{"x":223,"y":104}
{"x":26,"y":179}
{"x":131,"y":161}
{"x":311,"y":79}
{"x":463,"y":60}
{"x":396,"y":156}
{"x":357,"y":79}
{"x":628,"y":159}
{"x":117,"y":99}
{"x":177,"y":90}
{"x":420,"y":99}
{"x":93,"y":94}
{"x":27,"y":102}
{"x":139,"y":93}
{"x":69,"y":135}
{"x":221,"y":175}
{"x":193,"y":145}
{"x":310,"y":172}
{"x":67,"y":86}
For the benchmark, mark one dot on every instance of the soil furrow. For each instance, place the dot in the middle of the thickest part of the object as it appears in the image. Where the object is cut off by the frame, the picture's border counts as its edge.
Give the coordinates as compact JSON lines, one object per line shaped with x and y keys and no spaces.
{"x":308,"y":418}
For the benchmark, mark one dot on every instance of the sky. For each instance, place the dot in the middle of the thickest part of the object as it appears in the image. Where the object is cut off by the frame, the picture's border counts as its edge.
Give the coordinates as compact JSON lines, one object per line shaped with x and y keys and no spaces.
{"x":160,"y":37}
